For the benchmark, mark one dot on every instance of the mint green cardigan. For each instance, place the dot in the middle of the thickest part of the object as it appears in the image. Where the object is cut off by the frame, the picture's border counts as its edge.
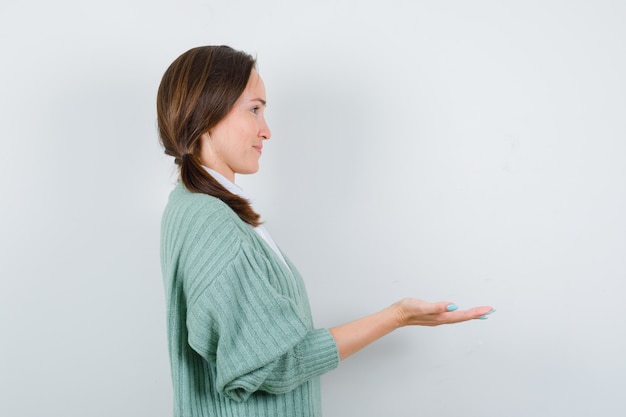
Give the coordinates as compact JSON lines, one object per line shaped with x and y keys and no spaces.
{"x":241,"y":337}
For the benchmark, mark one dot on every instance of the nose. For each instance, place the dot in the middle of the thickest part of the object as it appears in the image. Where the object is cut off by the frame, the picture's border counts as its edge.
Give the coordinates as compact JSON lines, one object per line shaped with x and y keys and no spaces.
{"x":265,"y":131}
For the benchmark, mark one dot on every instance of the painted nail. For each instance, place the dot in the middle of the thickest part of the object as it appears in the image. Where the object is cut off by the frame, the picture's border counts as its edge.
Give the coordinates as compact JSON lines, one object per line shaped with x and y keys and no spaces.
{"x":452,"y":307}
{"x":484,"y":316}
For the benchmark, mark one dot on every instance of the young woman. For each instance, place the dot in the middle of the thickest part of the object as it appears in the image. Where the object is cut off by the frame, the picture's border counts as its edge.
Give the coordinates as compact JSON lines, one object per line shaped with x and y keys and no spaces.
{"x":241,"y":338}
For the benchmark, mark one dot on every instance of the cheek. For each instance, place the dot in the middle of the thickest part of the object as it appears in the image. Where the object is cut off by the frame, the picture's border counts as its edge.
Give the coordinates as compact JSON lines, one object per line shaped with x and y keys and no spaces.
{"x":230,"y":139}
{"x":237,"y":138}
{"x":244,"y":136}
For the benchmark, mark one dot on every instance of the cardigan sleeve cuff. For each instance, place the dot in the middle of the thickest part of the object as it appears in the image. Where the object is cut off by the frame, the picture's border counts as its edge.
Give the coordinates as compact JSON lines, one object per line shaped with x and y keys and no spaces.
{"x":314,"y":355}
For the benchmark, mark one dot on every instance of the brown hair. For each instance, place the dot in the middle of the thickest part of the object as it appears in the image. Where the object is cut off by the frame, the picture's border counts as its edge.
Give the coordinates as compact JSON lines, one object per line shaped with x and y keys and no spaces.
{"x":197,"y":91}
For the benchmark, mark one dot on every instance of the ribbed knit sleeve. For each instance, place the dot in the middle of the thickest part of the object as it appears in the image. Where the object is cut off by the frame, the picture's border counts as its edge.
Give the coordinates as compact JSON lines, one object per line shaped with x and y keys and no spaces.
{"x":261,"y":339}
{"x":246,"y":314}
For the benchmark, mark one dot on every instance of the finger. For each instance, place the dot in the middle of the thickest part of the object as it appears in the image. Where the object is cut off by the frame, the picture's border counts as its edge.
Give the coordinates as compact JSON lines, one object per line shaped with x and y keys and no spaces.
{"x":465,"y":315}
{"x":484,"y":316}
{"x":478,"y":312}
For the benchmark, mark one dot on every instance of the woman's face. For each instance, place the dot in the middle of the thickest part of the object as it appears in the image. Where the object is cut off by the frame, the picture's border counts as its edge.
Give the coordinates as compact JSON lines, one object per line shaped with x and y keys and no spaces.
{"x":234,"y":145}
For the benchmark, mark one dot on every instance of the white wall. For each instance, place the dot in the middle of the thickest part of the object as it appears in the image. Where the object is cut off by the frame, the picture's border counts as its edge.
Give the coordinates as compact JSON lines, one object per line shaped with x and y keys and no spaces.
{"x":464,"y":151}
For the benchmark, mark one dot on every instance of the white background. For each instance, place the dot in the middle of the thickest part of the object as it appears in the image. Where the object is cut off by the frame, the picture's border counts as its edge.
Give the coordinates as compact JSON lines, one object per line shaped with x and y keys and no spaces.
{"x":470,"y":151}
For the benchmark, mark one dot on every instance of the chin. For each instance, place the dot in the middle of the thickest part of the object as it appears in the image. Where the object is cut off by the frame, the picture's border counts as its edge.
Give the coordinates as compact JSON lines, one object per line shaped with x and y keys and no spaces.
{"x":249,"y":170}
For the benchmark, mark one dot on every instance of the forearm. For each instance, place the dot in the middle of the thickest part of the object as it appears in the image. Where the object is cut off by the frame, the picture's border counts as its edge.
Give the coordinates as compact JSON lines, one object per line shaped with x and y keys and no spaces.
{"x":355,"y":335}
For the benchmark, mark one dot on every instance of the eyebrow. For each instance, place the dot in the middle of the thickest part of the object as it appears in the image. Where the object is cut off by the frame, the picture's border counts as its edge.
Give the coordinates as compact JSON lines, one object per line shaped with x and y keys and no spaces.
{"x":263,"y":102}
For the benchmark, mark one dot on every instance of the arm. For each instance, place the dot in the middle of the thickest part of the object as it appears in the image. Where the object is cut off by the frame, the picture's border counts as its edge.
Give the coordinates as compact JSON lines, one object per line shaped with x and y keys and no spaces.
{"x":354,"y":336}
{"x":243,"y":318}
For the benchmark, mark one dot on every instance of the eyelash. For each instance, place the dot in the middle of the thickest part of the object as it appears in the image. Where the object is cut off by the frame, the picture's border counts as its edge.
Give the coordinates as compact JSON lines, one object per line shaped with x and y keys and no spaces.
{"x":255,"y":110}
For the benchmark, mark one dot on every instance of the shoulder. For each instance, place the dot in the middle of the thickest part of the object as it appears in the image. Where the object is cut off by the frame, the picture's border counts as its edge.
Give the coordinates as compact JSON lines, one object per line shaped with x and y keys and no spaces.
{"x":182,"y":199}
{"x":184,"y":206}
{"x":191,"y":216}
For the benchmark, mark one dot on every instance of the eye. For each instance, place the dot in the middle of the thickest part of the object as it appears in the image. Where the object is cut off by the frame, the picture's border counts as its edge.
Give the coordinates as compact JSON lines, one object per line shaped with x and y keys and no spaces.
{"x":255,"y":109}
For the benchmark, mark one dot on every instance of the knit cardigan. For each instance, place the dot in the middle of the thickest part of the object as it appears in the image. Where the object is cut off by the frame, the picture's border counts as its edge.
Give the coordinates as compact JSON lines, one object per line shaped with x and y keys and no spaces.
{"x":241,"y":337}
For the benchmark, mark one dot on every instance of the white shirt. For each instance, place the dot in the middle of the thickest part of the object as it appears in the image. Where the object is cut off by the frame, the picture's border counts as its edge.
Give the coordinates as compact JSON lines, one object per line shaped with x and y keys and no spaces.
{"x":235,"y":189}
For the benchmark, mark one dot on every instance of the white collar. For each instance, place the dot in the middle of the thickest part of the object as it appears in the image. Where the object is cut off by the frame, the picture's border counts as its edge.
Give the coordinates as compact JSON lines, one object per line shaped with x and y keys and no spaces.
{"x":235,"y":189}
{"x":226,"y":183}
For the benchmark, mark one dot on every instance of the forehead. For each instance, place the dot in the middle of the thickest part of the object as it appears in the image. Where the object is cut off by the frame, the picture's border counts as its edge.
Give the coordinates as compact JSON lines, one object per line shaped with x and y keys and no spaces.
{"x":255,"y":89}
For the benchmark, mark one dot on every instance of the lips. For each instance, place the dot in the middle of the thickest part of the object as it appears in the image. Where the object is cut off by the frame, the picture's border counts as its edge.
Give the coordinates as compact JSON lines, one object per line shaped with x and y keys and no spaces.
{"x":259,"y":148}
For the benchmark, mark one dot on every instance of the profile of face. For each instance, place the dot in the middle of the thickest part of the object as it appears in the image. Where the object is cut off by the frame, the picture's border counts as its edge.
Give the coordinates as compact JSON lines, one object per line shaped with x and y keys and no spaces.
{"x":234,"y":145}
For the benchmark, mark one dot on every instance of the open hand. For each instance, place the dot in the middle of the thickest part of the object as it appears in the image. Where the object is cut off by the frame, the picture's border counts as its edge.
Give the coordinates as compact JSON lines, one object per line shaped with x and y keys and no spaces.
{"x":415,"y":312}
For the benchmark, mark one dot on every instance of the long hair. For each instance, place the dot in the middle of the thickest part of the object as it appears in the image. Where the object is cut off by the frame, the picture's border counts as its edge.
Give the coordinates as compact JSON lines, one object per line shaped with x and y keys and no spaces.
{"x":197,"y":91}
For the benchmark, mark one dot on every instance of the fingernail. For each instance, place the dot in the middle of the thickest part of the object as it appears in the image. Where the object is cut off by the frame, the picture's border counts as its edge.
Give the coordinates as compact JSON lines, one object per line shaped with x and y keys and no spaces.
{"x":484,"y":316}
{"x":452,"y":307}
